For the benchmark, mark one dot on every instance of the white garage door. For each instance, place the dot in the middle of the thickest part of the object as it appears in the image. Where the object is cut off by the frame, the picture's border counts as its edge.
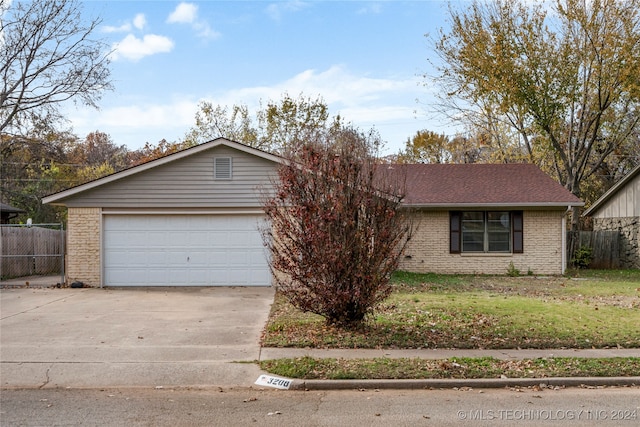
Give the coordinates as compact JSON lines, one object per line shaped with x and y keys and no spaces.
{"x":184,"y":250}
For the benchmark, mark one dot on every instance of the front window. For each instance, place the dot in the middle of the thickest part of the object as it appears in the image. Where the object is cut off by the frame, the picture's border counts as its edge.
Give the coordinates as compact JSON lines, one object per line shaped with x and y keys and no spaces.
{"x":486,"y":231}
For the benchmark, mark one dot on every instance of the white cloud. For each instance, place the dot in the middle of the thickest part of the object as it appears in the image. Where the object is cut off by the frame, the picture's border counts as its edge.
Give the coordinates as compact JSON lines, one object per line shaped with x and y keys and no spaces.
{"x":203,"y":30}
{"x":124,"y":28}
{"x":388,"y":104}
{"x":184,"y":13}
{"x":140,"y":21}
{"x":372,"y":8}
{"x":134,"y":48}
{"x":276,"y":10}
{"x":187,"y":13}
{"x":180,"y":113}
{"x":133,"y":125}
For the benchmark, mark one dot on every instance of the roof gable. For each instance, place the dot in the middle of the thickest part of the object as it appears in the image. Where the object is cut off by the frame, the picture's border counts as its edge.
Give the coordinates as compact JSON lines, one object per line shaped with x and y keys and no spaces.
{"x":483,"y":185}
{"x":615,"y":189}
{"x":134,"y":172}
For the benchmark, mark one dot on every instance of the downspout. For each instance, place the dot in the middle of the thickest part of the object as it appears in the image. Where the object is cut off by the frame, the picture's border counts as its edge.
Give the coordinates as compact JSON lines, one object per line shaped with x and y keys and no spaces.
{"x":564,"y":239}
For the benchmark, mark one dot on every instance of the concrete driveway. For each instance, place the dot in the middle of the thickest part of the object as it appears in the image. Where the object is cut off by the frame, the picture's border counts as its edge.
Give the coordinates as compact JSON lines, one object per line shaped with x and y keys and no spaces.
{"x":159,"y":337}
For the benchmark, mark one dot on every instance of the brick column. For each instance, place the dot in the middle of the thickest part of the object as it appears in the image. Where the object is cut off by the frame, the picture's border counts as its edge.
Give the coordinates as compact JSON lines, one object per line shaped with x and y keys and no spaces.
{"x":83,"y":246}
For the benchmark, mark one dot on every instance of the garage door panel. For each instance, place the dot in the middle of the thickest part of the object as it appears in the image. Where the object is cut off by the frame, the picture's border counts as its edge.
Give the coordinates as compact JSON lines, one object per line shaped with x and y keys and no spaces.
{"x":199,"y":258}
{"x":199,"y":276}
{"x":237,"y":276}
{"x":190,"y":250}
{"x":151,"y":258}
{"x":131,"y":277}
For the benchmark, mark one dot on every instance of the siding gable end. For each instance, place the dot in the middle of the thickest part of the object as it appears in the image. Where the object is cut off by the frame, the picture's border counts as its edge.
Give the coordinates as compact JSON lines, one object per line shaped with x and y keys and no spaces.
{"x":188,"y":182}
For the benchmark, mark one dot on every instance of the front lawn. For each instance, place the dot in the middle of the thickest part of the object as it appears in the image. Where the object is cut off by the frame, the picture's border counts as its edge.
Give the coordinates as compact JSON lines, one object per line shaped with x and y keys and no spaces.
{"x":454,"y":368}
{"x":586,"y":309}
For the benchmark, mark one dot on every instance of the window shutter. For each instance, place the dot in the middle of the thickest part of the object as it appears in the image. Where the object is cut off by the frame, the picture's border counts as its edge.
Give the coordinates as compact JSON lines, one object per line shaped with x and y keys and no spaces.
{"x":222,"y":167}
{"x":518,"y":241}
{"x":455,"y":228}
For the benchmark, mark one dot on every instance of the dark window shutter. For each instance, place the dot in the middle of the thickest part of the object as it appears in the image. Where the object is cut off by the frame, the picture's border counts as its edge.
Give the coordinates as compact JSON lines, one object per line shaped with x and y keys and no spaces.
{"x":455,"y":231}
{"x":518,"y":246}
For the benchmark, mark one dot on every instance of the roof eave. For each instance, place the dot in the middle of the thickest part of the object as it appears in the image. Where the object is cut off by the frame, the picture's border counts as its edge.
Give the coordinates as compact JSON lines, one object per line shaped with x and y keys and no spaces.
{"x":563,"y":205}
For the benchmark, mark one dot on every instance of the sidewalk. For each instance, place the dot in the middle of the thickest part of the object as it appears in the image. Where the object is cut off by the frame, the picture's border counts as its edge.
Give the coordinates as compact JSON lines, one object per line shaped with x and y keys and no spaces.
{"x":267,"y":353}
{"x":280,"y":353}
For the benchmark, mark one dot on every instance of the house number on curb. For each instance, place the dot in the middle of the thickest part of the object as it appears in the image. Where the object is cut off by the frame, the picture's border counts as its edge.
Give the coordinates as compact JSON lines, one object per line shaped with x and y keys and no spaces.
{"x":281,"y":383}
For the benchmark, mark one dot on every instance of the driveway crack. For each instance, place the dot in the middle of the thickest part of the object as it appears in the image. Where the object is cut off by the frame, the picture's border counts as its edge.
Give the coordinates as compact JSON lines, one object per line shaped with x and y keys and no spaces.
{"x":37,"y":307}
{"x":47,"y":379}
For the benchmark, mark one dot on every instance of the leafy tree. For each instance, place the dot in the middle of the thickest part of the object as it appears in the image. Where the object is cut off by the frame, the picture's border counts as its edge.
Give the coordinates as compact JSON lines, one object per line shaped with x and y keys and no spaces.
{"x":233,"y":123}
{"x":34,"y":167}
{"x":565,"y":78}
{"x":273,"y":127}
{"x":151,"y":152}
{"x":467,"y":149}
{"x":47,"y":56}
{"x":39,"y":179}
{"x":475,"y":146}
{"x":92,"y":172}
{"x":46,"y":161}
{"x":335,"y":232}
{"x":98,"y":150}
{"x":283,"y":124}
{"x":426,"y":147}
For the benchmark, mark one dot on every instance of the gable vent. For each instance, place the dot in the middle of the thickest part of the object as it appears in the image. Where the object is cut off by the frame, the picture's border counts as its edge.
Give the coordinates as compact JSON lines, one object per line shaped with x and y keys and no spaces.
{"x":222,"y":167}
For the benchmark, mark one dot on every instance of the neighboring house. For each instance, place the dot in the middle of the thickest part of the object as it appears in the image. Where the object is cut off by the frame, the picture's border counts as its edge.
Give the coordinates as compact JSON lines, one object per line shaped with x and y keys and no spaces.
{"x":192,"y":218}
{"x":7,"y":213}
{"x":619,"y":209}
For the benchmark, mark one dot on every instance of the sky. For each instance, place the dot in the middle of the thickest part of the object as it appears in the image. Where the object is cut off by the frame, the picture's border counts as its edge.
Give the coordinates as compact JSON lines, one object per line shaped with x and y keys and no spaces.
{"x":365,"y":59}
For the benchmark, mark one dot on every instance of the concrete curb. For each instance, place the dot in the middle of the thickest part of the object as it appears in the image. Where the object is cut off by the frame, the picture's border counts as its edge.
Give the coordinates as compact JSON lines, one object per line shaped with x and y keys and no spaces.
{"x":459,"y":383}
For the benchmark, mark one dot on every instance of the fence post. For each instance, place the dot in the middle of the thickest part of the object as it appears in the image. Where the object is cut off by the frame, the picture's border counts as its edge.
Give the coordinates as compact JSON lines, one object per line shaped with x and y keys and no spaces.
{"x":62,"y":254}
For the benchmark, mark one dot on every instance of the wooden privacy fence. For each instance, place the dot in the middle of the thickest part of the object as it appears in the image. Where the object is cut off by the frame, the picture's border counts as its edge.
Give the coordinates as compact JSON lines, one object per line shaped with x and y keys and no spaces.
{"x":605,"y":247}
{"x":31,"y":250}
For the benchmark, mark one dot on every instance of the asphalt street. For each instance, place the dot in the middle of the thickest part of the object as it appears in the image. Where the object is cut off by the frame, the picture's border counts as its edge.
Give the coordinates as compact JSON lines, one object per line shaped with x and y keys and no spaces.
{"x":248,"y":406}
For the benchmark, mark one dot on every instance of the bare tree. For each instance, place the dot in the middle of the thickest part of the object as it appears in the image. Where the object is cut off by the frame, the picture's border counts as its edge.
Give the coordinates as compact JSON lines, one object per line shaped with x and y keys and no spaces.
{"x":47,"y":56}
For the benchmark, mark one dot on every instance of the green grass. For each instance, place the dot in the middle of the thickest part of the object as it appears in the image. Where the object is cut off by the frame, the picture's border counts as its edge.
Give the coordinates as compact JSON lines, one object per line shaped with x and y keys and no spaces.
{"x":454,"y":368}
{"x":586,"y":309}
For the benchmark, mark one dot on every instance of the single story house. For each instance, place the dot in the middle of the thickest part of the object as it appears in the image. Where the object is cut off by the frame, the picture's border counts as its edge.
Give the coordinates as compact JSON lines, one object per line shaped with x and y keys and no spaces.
{"x":191,"y":218}
{"x":619,"y":210}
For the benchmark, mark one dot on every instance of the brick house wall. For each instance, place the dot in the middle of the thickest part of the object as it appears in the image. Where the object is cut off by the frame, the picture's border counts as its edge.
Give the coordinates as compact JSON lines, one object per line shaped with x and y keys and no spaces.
{"x":83,"y":246}
{"x":428,"y":250}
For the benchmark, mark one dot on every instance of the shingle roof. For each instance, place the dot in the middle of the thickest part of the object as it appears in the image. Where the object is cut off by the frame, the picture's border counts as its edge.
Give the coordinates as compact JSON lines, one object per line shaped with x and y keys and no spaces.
{"x":467,"y":185}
